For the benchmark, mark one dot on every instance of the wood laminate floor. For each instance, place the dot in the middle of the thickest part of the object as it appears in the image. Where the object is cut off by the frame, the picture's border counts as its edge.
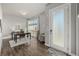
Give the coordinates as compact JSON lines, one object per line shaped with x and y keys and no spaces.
{"x":34,"y":49}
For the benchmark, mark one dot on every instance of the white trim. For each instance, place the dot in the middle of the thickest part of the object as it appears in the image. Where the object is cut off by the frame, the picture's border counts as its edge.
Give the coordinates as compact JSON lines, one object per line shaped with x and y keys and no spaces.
{"x":77,"y":53}
{"x":49,"y":28}
{"x":60,"y":6}
{"x":72,"y":54}
{"x":69,"y":29}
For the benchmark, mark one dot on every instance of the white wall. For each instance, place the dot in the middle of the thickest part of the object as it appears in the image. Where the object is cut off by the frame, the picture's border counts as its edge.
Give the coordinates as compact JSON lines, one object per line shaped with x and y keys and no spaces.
{"x":42,"y":22}
{"x":73,"y":28}
{"x":0,"y":11}
{"x":10,"y":22}
{"x":0,"y":33}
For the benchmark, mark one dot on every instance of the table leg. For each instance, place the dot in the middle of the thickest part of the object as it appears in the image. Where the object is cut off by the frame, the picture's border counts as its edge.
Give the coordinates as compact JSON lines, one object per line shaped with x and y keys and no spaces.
{"x":30,"y":36}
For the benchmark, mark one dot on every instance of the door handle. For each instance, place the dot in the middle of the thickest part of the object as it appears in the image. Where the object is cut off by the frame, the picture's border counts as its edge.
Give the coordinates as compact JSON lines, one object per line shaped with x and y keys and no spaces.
{"x":50,"y":30}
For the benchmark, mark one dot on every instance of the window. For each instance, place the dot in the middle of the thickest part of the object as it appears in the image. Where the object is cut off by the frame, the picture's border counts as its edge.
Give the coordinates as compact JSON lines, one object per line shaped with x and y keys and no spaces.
{"x":33,"y":26}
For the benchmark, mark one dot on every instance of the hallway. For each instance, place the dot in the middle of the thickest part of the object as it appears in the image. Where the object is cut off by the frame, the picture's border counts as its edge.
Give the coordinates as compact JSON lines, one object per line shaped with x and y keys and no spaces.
{"x":34,"y":49}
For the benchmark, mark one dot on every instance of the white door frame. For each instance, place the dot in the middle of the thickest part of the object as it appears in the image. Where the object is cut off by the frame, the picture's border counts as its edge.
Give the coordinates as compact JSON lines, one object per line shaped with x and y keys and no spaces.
{"x":68,"y":45}
{"x":77,"y":34}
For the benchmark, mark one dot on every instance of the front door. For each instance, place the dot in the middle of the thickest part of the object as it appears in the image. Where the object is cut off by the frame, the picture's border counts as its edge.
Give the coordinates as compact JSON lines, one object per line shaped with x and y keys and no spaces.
{"x":59,"y":28}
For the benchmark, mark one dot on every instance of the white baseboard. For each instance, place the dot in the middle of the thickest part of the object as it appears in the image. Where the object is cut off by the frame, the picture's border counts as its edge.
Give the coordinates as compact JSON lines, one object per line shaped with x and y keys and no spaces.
{"x":72,"y":54}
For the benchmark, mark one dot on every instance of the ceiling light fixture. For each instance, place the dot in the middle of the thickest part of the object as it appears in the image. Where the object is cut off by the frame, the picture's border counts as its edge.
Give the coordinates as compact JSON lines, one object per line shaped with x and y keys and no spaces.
{"x":23,"y":13}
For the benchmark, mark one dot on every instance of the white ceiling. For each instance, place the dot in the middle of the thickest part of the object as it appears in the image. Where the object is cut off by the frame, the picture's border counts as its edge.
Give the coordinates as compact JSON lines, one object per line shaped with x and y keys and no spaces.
{"x":17,"y":9}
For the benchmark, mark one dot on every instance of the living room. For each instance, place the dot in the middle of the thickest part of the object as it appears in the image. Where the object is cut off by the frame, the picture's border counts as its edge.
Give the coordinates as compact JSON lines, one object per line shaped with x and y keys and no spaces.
{"x":33,"y":29}
{"x":17,"y":18}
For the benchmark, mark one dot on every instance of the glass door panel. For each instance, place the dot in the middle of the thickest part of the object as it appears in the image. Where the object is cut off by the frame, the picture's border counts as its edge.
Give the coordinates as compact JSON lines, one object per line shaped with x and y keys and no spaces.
{"x":58,"y":28}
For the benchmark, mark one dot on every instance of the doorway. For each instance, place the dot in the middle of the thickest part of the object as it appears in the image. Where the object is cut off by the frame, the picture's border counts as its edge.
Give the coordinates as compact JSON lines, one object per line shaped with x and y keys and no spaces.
{"x":59,"y":27}
{"x":33,"y":27}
